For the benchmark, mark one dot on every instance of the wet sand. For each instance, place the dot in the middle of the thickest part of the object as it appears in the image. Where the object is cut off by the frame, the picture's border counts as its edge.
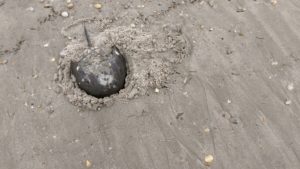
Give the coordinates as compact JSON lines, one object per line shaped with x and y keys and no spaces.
{"x":235,"y":97}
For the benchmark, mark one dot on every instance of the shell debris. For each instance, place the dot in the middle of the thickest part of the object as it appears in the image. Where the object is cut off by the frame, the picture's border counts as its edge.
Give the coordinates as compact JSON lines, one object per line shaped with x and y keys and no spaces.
{"x":288,"y":102}
{"x":64,"y":14}
{"x":31,"y":9}
{"x":208,"y":160}
{"x":88,"y":163}
{"x":290,"y":86}
{"x":3,"y":62}
{"x":132,"y":25}
{"x":70,"y":5}
{"x":274,"y":2}
{"x":98,"y":6}
{"x":229,"y":101}
{"x":274,"y":63}
{"x":241,"y":9}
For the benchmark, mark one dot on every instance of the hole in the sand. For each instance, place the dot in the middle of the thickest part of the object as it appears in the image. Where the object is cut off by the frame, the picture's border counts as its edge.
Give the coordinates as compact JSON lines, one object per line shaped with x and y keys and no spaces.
{"x":89,"y":65}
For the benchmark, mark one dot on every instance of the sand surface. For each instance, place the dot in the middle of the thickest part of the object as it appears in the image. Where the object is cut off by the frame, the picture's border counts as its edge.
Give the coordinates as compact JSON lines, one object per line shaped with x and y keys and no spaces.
{"x":235,"y":96}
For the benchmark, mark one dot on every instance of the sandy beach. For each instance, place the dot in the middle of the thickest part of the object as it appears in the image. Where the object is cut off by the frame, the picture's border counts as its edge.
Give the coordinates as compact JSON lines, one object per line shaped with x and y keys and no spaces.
{"x":218,"y":86}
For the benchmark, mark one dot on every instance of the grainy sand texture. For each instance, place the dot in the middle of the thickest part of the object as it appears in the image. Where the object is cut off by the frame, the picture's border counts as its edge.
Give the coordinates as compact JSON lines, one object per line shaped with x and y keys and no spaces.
{"x":212,"y":84}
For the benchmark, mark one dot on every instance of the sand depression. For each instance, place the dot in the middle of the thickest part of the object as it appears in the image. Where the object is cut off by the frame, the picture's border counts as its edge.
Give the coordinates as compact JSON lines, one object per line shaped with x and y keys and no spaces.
{"x":151,"y":58}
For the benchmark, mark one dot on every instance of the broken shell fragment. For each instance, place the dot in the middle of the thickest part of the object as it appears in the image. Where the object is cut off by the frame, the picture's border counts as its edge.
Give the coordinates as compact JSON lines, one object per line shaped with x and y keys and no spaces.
{"x":88,"y":164}
{"x":208,"y":160}
{"x":64,"y":14}
{"x":98,"y":6}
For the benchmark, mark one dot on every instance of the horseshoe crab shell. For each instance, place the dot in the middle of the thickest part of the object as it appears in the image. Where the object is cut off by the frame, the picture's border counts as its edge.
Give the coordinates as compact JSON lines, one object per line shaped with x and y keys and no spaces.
{"x":100,"y":76}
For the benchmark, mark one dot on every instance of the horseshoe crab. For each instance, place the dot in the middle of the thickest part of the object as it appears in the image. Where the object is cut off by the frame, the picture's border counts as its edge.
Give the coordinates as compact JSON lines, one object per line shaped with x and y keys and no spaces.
{"x":97,"y":74}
